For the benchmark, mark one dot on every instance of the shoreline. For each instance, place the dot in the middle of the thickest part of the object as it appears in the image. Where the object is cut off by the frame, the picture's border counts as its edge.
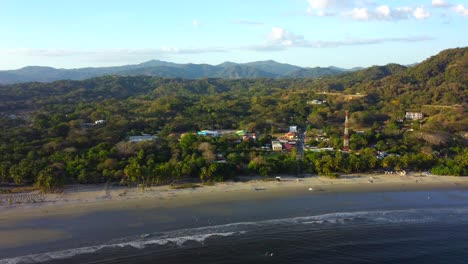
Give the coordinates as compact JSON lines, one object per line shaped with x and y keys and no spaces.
{"x":83,"y":213}
{"x":80,"y":199}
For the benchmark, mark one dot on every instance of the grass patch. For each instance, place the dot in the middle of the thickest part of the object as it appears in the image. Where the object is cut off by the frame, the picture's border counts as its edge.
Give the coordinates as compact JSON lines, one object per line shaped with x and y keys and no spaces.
{"x":185,"y":186}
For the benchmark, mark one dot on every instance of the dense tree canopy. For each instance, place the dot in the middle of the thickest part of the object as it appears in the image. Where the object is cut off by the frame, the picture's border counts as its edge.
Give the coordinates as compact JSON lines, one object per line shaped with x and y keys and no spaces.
{"x":49,"y":135}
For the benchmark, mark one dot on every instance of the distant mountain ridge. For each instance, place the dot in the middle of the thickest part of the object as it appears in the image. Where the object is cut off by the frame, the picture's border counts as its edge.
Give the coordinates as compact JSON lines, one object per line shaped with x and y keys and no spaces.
{"x":157,"y":68}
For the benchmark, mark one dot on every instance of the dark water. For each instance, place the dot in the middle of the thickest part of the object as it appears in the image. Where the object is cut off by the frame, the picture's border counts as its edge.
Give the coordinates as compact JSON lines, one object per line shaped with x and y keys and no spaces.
{"x":421,"y":231}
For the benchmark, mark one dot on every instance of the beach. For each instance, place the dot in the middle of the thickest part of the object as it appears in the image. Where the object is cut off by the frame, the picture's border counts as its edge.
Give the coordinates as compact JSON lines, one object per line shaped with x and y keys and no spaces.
{"x":83,"y":198}
{"x":87,"y":218}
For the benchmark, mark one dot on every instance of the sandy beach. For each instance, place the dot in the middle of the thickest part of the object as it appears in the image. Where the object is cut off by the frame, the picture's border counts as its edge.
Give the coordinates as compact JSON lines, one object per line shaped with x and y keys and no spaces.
{"x":84,"y":215}
{"x":85,"y":198}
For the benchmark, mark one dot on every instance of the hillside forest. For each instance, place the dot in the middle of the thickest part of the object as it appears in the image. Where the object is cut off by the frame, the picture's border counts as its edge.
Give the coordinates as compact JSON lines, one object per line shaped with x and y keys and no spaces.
{"x":68,"y":132}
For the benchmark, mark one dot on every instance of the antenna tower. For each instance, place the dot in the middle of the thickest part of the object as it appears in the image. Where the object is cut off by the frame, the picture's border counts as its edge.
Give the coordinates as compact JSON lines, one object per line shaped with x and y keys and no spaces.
{"x":346,"y":133}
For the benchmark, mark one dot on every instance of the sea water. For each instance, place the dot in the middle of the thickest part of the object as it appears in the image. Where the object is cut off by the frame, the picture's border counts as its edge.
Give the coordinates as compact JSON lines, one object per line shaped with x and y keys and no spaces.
{"x":421,"y":232}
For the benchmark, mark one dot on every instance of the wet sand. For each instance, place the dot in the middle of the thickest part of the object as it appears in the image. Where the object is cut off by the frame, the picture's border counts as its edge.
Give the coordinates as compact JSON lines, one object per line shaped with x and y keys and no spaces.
{"x":84,"y":199}
{"x":101,"y":213}
{"x":24,"y":236}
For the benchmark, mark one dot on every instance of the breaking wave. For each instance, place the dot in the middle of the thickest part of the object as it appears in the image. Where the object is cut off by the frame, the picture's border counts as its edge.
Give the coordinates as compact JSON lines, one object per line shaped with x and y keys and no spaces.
{"x":200,"y":235}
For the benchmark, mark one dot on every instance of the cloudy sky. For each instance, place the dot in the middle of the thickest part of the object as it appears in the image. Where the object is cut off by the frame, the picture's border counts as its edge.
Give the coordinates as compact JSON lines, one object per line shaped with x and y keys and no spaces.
{"x":343,"y":33}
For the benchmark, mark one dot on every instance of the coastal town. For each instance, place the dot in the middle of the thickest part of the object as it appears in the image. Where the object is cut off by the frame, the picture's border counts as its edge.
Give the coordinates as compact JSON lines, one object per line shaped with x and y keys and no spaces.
{"x":224,"y":132}
{"x":150,"y":131}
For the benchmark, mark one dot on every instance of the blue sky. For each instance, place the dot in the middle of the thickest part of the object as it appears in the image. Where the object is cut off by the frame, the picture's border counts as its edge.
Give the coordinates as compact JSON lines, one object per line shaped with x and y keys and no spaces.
{"x":343,"y":33}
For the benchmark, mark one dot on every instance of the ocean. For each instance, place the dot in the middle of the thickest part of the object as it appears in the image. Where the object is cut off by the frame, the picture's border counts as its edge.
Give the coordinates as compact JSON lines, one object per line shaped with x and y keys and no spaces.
{"x":389,"y":227}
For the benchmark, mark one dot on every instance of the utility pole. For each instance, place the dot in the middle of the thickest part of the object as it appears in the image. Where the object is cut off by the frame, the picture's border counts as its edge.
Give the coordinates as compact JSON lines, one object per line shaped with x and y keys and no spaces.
{"x":346,"y":133}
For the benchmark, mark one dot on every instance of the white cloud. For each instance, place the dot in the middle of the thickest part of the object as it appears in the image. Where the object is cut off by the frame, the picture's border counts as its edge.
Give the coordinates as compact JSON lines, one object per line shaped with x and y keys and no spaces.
{"x":461,"y":9}
{"x":367,"y":41}
{"x":440,"y":3}
{"x":327,"y":4}
{"x":402,"y":12}
{"x":366,"y":10}
{"x":405,"y":9}
{"x":383,"y":11}
{"x":360,"y":14}
{"x":421,"y":13}
{"x":282,"y":37}
{"x":278,"y":40}
{"x":320,"y":13}
{"x":326,"y":7}
{"x":196,"y":23}
{"x":272,"y":46}
{"x":318,"y":4}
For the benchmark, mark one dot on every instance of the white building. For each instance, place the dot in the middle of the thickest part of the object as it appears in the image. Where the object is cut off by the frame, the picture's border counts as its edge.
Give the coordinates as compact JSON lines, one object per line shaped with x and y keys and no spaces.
{"x":414,"y":115}
{"x":276,"y":146}
{"x":99,"y":122}
{"x":142,"y":138}
{"x":315,"y":102}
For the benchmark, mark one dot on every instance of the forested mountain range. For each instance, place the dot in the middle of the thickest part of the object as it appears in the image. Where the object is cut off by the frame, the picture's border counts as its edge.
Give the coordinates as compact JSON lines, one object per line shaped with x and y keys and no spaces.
{"x":48,"y":136}
{"x":156,"y":68}
{"x":441,"y":79}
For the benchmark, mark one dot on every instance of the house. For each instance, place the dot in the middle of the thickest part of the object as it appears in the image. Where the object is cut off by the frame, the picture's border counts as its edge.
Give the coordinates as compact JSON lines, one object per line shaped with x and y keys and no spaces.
{"x":315,"y":149}
{"x":276,"y":146}
{"x":321,"y":139}
{"x":288,"y":147}
{"x":208,"y":133}
{"x":142,"y":138}
{"x":293,"y":129}
{"x":290,"y":136}
{"x":241,"y":132}
{"x":99,"y":122}
{"x":249,"y":137}
{"x":315,"y":102}
{"x":414,"y":115}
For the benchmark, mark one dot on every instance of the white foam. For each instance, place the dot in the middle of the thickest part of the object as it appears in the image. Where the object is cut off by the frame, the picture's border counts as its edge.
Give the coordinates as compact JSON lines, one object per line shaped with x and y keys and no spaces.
{"x":65,"y":254}
{"x":199,"y":235}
